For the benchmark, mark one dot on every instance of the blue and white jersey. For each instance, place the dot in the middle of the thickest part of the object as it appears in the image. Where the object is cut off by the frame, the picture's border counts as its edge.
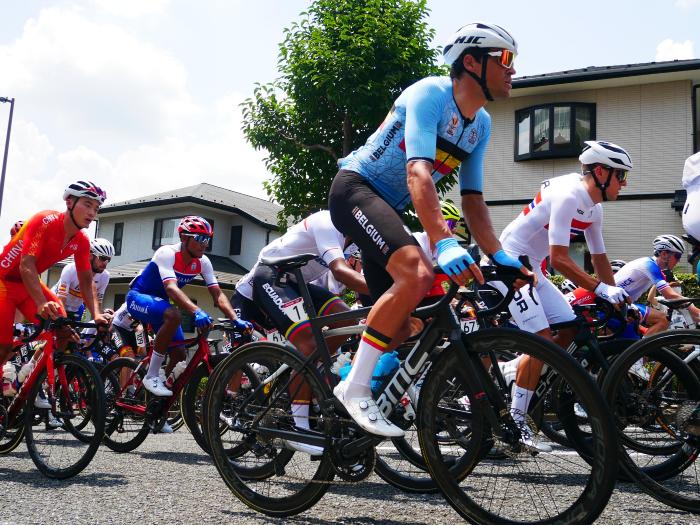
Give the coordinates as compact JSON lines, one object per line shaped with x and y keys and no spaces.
{"x":166,"y":265}
{"x":637,"y":276}
{"x":424,"y":124}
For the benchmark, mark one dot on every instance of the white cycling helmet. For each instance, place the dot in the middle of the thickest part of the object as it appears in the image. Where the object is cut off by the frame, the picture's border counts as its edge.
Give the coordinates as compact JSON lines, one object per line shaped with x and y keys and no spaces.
{"x":85,"y":189}
{"x":616,"y":265}
{"x":671,"y":243}
{"x":568,"y":286}
{"x":478,"y":34}
{"x":482,"y":36}
{"x":101,"y":247}
{"x":606,"y":153}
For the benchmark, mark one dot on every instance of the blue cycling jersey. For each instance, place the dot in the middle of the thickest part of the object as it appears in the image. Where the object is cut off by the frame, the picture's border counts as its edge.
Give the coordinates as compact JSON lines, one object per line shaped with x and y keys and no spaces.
{"x":424,"y":123}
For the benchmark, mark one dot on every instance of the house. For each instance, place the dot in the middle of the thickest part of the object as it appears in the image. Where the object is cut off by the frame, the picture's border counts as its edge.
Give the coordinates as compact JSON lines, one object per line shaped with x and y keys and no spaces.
{"x":650,"y":109}
{"x":138,"y":227}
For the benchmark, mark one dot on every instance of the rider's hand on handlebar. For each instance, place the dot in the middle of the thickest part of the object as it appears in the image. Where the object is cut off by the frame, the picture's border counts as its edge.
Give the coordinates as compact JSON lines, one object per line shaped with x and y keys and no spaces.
{"x":202,"y":319}
{"x":49,"y":310}
{"x":612,"y":294}
{"x":502,"y":258}
{"x":242,"y":325}
{"x":456,"y":262}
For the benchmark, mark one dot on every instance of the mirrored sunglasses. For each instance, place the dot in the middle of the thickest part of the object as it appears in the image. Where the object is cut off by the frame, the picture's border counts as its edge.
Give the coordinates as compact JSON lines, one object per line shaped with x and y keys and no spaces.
{"x":621,"y":175}
{"x":200,"y":238}
{"x":504,"y":56}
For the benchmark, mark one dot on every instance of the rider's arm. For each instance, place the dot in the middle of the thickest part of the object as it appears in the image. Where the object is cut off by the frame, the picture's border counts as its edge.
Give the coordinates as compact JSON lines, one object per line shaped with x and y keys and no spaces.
{"x":651,"y":296}
{"x":476,"y":215}
{"x":561,"y":261}
{"x":222,"y":302}
{"x":602,"y":268}
{"x":425,"y":199}
{"x":30,"y":279}
{"x":179,"y":297}
{"x":344,"y":274}
{"x":87,"y":290}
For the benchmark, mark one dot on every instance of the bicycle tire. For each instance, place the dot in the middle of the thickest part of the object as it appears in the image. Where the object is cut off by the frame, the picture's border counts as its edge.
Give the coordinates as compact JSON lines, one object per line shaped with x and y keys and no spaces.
{"x":278,"y":497}
{"x":191,"y":401}
{"x":476,"y":501}
{"x":119,"y":420}
{"x":12,"y":436}
{"x":95,"y":397}
{"x":673,"y":481}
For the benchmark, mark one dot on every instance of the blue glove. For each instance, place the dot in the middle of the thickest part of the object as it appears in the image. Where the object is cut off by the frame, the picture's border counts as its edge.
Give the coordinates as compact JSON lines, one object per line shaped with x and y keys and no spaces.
{"x":504,"y":259}
{"x":452,"y":258}
{"x":202,"y":319}
{"x":242,"y":325}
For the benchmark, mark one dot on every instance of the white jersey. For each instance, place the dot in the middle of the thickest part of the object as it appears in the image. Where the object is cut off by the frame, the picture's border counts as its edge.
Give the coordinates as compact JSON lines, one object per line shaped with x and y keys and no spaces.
{"x":637,"y":276}
{"x":68,"y":287}
{"x":123,"y":319}
{"x":691,"y":183}
{"x":315,"y":234}
{"x":560,"y":211}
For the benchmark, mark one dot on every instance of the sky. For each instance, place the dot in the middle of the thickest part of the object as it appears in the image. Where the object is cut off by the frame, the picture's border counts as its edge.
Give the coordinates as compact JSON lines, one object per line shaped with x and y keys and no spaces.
{"x":142,"y":96}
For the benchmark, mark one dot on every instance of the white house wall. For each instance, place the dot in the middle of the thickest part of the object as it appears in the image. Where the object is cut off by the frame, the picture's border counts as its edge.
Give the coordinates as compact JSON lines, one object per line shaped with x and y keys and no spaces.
{"x":652,"y":121}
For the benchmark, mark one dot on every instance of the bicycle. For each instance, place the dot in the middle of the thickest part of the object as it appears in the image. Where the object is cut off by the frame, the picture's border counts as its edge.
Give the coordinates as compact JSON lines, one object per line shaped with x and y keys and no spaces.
{"x":455,"y":437}
{"x":657,"y":416}
{"x":75,"y":393}
{"x":133,"y":412}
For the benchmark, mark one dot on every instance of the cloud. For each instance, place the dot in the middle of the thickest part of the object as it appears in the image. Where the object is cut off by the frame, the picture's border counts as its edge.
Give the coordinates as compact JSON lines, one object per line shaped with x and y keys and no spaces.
{"x":670,"y":50}
{"x":132,"y":8}
{"x":95,"y":102}
{"x":687,"y":4}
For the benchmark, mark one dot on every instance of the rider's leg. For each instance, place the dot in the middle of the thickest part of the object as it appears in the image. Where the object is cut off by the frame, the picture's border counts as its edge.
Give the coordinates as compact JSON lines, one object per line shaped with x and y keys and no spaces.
{"x":656,"y":321}
{"x":164,"y":336}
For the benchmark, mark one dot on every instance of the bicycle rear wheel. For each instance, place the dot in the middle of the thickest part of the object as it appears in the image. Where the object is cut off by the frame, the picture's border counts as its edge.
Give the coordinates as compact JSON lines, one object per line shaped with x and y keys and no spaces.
{"x":654,"y":411}
{"x":126,"y":426}
{"x":11,"y":435}
{"x":261,"y":470}
{"x":61,"y":452}
{"x":192,"y":398}
{"x":526,"y":486}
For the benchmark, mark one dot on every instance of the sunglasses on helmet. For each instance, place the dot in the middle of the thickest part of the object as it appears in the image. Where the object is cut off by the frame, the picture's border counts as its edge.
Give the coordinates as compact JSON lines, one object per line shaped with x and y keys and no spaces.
{"x":505,"y":57}
{"x":200,"y":237}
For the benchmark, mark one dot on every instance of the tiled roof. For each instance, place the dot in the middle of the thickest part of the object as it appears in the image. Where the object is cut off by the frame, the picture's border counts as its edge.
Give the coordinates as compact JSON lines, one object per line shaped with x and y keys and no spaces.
{"x":258,"y":210}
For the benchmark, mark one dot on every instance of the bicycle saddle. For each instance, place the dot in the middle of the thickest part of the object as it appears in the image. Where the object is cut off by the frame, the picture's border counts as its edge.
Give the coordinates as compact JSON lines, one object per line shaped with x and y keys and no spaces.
{"x":288,"y":262}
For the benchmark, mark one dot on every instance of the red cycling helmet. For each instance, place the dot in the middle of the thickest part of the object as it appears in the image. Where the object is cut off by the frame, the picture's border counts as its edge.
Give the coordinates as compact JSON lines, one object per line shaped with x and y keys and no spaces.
{"x":15,"y":228}
{"x":195,"y":225}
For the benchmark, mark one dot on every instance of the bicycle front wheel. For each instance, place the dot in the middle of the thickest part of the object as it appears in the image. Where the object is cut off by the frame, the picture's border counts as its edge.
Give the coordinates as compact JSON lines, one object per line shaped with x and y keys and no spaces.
{"x":518,"y":481}
{"x":58,"y":450}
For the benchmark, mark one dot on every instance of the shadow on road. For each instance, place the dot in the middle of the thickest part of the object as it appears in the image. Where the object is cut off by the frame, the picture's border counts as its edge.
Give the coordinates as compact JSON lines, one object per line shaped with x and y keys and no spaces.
{"x":35,"y":479}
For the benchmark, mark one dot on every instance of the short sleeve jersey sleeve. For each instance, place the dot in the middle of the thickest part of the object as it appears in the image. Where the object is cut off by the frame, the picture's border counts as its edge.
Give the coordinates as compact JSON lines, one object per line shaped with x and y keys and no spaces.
{"x":327,"y":238}
{"x":594,"y":233}
{"x":471,"y":171}
{"x":654,"y":273}
{"x":563,"y":211}
{"x":208,"y":272}
{"x":423,"y":112}
{"x":164,"y":259}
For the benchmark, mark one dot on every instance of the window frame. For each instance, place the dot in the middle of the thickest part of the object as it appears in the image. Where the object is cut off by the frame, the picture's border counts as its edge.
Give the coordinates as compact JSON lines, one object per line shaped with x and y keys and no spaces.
{"x":558,"y":152}
{"x":117,"y":243}
{"x":158,"y":231}
{"x":240,"y":240}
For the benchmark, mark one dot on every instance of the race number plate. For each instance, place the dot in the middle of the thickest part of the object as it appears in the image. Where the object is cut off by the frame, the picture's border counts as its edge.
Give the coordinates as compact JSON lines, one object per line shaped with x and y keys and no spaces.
{"x":469,"y":325}
{"x":274,"y":336}
{"x":294,"y":309}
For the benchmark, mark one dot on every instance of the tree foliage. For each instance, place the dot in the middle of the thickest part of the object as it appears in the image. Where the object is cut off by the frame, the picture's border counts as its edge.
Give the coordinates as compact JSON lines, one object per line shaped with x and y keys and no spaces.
{"x":341,"y":66}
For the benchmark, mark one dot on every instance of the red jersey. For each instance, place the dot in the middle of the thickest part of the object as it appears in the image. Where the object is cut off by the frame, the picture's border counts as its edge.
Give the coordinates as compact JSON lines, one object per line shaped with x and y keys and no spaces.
{"x":42,"y":237}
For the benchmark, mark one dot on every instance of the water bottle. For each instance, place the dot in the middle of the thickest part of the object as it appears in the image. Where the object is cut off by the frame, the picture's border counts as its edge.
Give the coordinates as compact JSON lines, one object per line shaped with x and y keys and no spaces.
{"x":388,"y":364}
{"x":177,"y":370}
{"x":9,"y":380}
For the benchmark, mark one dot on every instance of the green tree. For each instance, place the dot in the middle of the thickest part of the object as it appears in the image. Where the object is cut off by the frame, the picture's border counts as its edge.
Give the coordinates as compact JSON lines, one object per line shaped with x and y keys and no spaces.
{"x":341,"y":68}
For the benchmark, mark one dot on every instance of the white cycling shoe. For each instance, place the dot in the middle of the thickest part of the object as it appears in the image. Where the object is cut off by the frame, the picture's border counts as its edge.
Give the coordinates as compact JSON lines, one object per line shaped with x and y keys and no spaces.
{"x":366,"y":413}
{"x":531,"y":441}
{"x":40,"y":401}
{"x":311,"y":450}
{"x":156,"y":386}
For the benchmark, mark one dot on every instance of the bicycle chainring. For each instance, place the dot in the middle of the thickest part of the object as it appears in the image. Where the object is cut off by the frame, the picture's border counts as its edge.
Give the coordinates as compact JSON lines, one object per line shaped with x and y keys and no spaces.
{"x":352,"y":469}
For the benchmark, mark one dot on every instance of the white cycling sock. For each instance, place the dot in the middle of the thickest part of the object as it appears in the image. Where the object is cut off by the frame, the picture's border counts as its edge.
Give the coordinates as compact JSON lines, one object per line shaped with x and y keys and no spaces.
{"x":360,"y":376}
{"x":521,"y":400}
{"x":155,"y":364}
{"x":300,"y":413}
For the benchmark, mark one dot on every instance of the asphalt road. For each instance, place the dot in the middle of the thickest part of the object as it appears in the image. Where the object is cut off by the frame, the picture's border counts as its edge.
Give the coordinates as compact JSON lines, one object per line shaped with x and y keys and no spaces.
{"x":170,"y":480}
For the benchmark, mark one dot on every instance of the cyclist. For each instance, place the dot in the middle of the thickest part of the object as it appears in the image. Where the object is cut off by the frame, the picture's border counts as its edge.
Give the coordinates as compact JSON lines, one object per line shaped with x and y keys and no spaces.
{"x":151,"y":292}
{"x":637,"y":276}
{"x":565,"y":207}
{"x":262,"y":297}
{"x":67,"y":288}
{"x":435,"y":126}
{"x":616,"y":264}
{"x":46,"y":238}
{"x":691,"y":210}
{"x":124,"y":333}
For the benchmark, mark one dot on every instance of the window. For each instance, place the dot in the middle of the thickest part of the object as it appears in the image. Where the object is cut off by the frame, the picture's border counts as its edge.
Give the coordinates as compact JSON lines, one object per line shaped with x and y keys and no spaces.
{"x":236,"y":237}
{"x":117,"y":238}
{"x":553,"y":130}
{"x":119,"y":299}
{"x":165,"y":232}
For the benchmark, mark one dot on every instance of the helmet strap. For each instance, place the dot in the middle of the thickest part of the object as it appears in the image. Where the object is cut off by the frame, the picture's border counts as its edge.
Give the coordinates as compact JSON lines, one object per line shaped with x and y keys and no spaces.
{"x":603,"y":186}
{"x":70,"y":213}
{"x":482,"y":80}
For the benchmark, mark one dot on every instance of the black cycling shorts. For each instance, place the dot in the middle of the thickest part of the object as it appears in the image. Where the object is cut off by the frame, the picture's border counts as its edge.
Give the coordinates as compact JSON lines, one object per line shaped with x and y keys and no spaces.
{"x":360,"y":213}
{"x":123,"y":339}
{"x":281,"y":301}
{"x":248,"y":311}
